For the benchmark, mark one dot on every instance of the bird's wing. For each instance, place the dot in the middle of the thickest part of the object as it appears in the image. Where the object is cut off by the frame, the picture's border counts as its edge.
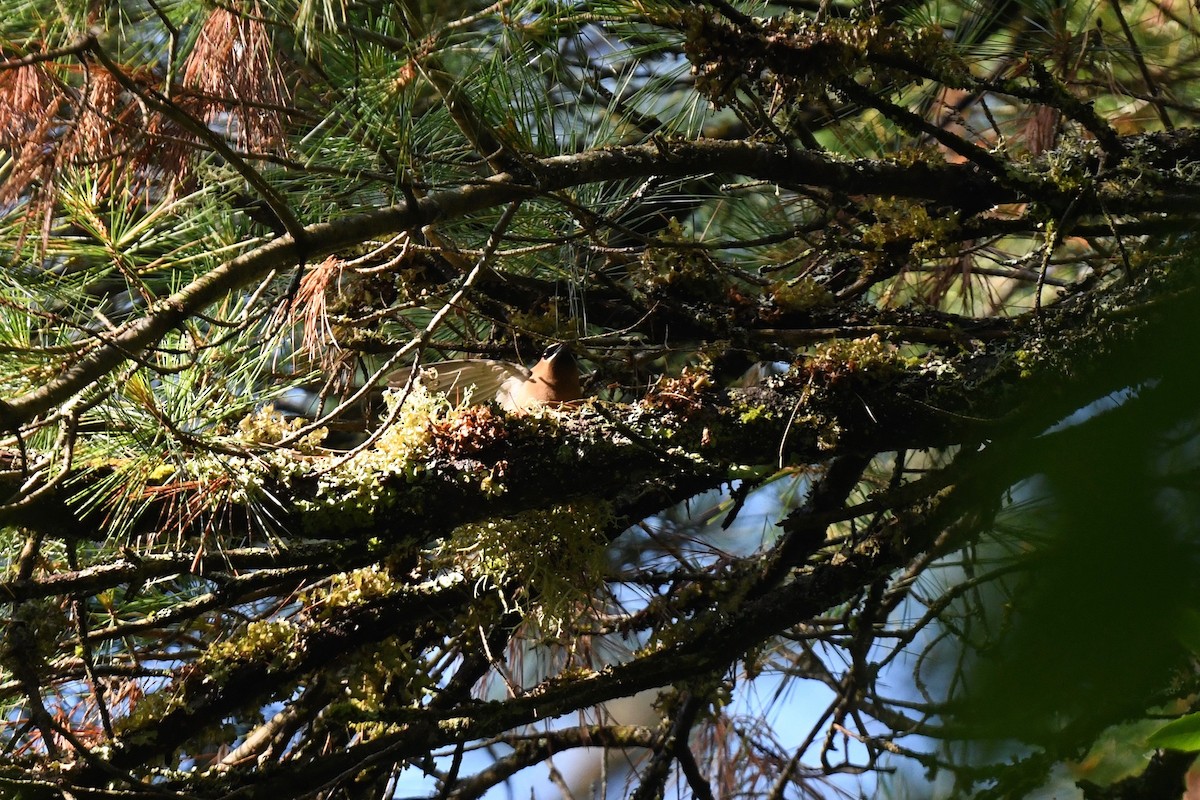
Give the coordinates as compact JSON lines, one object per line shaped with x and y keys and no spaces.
{"x":486,"y":379}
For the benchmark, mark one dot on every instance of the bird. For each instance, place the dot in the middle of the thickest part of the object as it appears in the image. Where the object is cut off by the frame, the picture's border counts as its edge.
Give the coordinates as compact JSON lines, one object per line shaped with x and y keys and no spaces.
{"x":553,"y":380}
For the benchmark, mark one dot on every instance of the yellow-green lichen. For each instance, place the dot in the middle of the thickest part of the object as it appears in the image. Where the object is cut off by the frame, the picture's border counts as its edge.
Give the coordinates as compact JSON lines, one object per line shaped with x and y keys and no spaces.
{"x":752,"y":414}
{"x":901,"y":220}
{"x":387,"y":677}
{"x":273,"y":641}
{"x":368,"y":731}
{"x":407,"y":438}
{"x":139,"y":725}
{"x":349,"y":589}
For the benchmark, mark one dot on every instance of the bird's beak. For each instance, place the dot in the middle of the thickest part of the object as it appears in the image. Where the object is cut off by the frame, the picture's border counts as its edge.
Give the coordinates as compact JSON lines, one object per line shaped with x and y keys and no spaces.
{"x":556,"y":351}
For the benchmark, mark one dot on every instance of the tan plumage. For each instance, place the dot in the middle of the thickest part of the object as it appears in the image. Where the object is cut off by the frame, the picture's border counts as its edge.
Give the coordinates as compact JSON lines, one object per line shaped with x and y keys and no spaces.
{"x":552,"y":380}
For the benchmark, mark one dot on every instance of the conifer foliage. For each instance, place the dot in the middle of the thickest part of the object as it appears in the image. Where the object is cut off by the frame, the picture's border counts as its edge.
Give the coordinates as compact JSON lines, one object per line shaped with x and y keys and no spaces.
{"x":886,"y":465}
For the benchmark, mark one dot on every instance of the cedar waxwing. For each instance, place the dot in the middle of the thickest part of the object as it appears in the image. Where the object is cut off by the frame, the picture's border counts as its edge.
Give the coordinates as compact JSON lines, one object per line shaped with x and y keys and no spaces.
{"x":553,"y":380}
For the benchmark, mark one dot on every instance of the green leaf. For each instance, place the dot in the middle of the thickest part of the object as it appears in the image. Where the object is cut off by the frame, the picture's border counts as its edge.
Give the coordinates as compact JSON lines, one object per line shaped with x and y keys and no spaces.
{"x":1179,"y":734}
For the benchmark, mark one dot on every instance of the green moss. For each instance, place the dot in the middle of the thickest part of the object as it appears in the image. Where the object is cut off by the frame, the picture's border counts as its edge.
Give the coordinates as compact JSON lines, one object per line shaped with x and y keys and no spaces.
{"x":801,"y":294}
{"x":751,"y":414}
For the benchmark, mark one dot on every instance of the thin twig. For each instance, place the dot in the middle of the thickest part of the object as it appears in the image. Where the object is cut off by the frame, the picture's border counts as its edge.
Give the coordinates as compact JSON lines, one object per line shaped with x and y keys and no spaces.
{"x":1151,"y":84}
{"x":74,"y":48}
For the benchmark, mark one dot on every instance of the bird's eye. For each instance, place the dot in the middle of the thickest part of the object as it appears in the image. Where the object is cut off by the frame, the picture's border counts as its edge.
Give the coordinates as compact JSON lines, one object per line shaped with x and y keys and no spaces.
{"x":550,"y":351}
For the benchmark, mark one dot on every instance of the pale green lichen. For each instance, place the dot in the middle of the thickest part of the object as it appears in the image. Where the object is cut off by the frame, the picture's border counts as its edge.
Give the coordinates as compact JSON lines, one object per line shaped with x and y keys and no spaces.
{"x":265,"y":425}
{"x":455,"y":724}
{"x":366,"y":584}
{"x":369,"y":731}
{"x":375,"y":681}
{"x":867,"y":355}
{"x":556,"y":555}
{"x":753,"y":414}
{"x":407,"y":439}
{"x":335,"y":491}
{"x":681,"y":270}
{"x":351,"y":491}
